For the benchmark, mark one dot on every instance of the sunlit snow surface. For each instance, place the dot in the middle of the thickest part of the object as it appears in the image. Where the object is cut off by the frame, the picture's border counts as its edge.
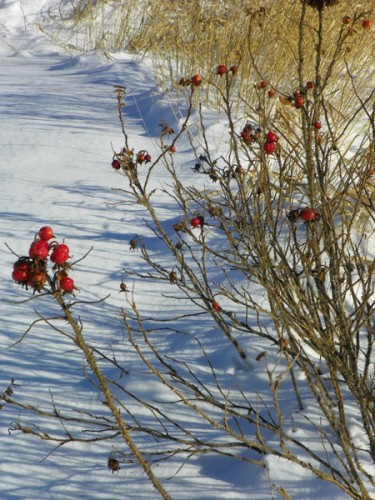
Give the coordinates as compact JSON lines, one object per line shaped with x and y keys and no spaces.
{"x":59,"y":127}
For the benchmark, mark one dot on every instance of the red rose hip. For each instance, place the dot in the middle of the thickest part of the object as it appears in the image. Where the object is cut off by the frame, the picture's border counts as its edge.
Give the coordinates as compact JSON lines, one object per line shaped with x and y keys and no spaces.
{"x":67,"y":284}
{"x":269,"y":148}
{"x":299,"y":102}
{"x":222,"y":70}
{"x":196,"y":80}
{"x":272,"y":137}
{"x":197,"y":221}
{"x":60,"y":254}
{"x":308,"y":214}
{"x":19,"y":276}
{"x":39,"y":249}
{"x":46,"y":233}
{"x":366,"y":24}
{"x":23,"y":264}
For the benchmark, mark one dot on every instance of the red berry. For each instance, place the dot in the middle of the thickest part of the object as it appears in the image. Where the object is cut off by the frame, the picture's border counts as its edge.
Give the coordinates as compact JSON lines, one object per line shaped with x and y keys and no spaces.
{"x":147,"y":158}
{"x":234,"y":69}
{"x":19,"y":275}
{"x":46,"y":233}
{"x":216,"y":306}
{"x":172,"y":149}
{"x":271,"y":93}
{"x":366,"y":24}
{"x":116,"y":164}
{"x":310,"y":85}
{"x":39,"y":249}
{"x":22,"y":264}
{"x":347,"y":20}
{"x":272,"y":137}
{"x":196,"y":80}
{"x":60,"y":254}
{"x":222,"y":70}
{"x":308,"y":214}
{"x":317,"y":125}
{"x":263,"y":84}
{"x":197,"y":221}
{"x":299,"y":102}
{"x":141,"y":157}
{"x":269,"y":148}
{"x":67,"y":284}
{"x":371,"y":172}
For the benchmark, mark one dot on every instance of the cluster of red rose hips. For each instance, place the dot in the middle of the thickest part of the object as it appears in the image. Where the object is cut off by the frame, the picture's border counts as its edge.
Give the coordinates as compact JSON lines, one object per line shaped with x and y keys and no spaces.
{"x":270,"y":144}
{"x":299,"y":101}
{"x":223,"y":70}
{"x":197,"y":79}
{"x":307,"y":214}
{"x":32,"y":270}
{"x":141,"y":157}
{"x":366,"y":23}
{"x":263,"y":85}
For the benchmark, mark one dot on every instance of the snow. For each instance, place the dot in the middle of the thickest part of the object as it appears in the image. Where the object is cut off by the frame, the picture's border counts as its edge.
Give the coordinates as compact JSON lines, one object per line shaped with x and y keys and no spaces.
{"x":59,"y":130}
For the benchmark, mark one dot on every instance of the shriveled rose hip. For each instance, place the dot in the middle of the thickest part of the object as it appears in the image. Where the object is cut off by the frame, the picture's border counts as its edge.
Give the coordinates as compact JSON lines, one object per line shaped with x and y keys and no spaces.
{"x":36,"y":279}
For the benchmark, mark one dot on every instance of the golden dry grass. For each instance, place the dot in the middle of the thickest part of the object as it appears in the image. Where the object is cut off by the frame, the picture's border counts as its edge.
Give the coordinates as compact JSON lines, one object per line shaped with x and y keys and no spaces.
{"x":262,"y":37}
{"x":185,"y":37}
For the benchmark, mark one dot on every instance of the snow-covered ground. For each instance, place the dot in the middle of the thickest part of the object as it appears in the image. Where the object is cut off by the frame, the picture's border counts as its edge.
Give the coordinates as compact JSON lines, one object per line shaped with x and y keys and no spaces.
{"x":59,"y":127}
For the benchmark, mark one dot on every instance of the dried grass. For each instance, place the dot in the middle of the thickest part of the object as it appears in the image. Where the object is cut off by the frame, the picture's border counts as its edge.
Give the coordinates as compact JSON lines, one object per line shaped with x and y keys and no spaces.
{"x":186,"y":37}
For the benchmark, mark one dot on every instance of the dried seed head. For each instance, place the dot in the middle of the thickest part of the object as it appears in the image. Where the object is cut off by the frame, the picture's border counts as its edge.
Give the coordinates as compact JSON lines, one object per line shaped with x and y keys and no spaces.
{"x":133,"y":243}
{"x":180,"y":226}
{"x":283,"y":343}
{"x":173,"y":278}
{"x":113,"y":465}
{"x":213,"y":210}
{"x":123,"y":287}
